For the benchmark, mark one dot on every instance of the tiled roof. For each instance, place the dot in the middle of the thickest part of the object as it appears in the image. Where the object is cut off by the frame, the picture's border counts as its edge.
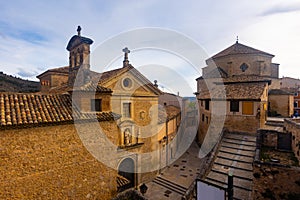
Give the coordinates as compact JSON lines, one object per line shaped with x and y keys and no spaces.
{"x":168,"y":113}
{"x":239,"y":48}
{"x":81,"y":39}
{"x":239,"y":91}
{"x":216,"y":73}
{"x":279,"y":92}
{"x":61,"y":70}
{"x":108,"y":75}
{"x":92,"y":87}
{"x":246,"y":78}
{"x":34,"y":109}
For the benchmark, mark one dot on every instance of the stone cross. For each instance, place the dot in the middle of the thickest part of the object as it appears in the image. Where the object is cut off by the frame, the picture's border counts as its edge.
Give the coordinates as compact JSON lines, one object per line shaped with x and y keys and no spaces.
{"x":78,"y":30}
{"x":126,"y":51}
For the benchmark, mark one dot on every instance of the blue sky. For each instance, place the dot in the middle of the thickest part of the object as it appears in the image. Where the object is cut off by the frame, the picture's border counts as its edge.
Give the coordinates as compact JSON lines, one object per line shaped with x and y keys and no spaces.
{"x":34,"y":34}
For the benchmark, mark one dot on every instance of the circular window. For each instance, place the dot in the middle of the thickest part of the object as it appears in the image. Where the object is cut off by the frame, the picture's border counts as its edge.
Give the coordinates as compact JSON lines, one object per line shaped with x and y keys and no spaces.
{"x":127,"y":83}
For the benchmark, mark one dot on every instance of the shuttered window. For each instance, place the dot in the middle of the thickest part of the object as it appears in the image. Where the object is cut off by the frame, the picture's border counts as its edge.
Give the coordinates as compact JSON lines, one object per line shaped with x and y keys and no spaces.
{"x":247,"y":108}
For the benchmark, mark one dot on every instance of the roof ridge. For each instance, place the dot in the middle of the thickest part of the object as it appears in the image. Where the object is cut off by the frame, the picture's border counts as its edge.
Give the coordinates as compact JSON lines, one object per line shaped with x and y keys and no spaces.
{"x":238,"y":48}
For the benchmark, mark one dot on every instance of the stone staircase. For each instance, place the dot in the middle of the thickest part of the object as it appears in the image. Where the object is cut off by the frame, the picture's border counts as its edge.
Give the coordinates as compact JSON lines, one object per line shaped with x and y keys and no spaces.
{"x":235,"y":154}
{"x":171,"y":186}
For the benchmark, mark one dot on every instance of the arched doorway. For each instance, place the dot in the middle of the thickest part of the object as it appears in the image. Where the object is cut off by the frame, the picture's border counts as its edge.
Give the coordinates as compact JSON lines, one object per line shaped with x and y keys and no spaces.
{"x":126,"y":170}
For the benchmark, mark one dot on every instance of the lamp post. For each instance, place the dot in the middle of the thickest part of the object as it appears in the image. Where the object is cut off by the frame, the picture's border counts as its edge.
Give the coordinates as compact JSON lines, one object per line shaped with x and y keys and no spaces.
{"x":143,"y":188}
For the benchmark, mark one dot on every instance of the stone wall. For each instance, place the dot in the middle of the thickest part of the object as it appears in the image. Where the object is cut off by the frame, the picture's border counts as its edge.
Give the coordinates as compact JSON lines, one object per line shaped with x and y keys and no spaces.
{"x":282,"y":104}
{"x":293,"y":126}
{"x":51,"y":163}
{"x":257,"y":65}
{"x":240,"y":123}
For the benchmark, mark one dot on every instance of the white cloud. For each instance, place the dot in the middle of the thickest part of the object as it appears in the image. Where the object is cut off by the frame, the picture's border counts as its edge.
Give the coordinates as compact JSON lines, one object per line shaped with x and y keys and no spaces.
{"x":269,"y":26}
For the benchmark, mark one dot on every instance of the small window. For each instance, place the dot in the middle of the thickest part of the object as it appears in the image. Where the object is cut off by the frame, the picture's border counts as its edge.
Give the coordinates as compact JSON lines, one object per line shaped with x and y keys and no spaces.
{"x":234,"y":106}
{"x":296,"y":94}
{"x":127,"y":83}
{"x":206,"y":104}
{"x":296,"y":104}
{"x":247,"y":108}
{"x":127,"y":110}
{"x":244,"y":67}
{"x":96,"y":105}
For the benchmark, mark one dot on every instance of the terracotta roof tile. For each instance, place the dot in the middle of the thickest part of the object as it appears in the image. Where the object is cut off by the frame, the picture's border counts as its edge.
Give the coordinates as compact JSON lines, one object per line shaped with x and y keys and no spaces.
{"x":92,"y":87}
{"x":30,"y":109}
{"x":239,"y":91}
{"x":61,"y":70}
{"x":239,"y":48}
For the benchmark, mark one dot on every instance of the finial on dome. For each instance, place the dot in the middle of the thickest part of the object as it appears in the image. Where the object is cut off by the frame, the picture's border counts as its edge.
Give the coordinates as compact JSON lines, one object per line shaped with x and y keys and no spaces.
{"x":237,"y":39}
{"x":78,"y":30}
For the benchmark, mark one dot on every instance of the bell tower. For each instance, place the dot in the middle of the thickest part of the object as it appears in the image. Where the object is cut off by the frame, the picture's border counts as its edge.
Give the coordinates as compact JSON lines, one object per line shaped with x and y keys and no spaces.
{"x":79,"y":58}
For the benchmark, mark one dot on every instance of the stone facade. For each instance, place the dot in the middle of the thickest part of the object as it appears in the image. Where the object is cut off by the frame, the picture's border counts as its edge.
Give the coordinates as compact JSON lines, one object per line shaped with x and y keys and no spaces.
{"x":96,"y":136}
{"x":52,"y":163}
{"x":235,"y":84}
{"x":281,"y":103}
{"x":293,"y":126}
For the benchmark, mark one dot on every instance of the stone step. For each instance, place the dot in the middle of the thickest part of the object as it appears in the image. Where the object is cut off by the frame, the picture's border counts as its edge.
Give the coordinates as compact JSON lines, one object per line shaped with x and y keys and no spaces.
{"x":241,"y":137}
{"x":242,"y":166}
{"x":236,"y":153}
{"x":237,"y":146}
{"x":170,"y":185}
{"x":274,"y":123}
{"x":246,"y":185}
{"x":236,"y":172}
{"x":235,"y":158}
{"x":247,"y":159}
{"x":245,"y":143}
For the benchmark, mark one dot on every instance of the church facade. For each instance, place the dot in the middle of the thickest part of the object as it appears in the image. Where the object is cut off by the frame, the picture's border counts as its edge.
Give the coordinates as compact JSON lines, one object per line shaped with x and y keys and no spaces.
{"x":86,"y":134}
{"x":238,"y":80}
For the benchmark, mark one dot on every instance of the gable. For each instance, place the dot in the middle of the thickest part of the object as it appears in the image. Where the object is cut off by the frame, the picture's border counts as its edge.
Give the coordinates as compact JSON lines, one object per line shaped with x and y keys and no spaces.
{"x":128,"y":80}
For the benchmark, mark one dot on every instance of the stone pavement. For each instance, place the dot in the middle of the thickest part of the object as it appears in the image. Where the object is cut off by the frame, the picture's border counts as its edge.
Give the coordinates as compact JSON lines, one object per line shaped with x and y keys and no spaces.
{"x":175,"y":179}
{"x":236,"y":154}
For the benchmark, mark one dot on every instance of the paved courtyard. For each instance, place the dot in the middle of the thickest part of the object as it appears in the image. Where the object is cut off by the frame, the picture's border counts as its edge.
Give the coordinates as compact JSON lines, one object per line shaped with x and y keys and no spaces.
{"x":174,"y":180}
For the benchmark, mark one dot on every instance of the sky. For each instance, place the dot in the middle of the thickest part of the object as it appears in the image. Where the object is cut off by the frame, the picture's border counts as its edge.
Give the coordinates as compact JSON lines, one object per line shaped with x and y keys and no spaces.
{"x":34,"y":34}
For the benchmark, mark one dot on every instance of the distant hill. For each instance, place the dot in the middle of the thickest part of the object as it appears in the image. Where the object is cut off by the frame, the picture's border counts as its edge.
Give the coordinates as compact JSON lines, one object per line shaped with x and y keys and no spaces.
{"x":9,"y":83}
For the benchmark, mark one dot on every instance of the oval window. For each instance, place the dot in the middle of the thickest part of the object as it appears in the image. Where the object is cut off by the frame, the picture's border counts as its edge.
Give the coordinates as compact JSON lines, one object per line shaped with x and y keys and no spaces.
{"x":127,"y":83}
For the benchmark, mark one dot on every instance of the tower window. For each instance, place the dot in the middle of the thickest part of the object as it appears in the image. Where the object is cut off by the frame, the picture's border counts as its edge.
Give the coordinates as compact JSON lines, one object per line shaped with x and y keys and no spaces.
{"x":206,"y":104}
{"x":96,"y":105}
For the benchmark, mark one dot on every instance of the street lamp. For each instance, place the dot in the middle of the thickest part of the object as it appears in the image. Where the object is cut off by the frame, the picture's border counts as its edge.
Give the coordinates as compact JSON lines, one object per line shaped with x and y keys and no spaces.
{"x":143,"y":188}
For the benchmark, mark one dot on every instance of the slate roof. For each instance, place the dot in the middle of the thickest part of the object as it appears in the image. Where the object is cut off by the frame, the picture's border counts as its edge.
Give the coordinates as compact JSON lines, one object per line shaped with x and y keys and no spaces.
{"x":19,"y":110}
{"x":239,"y":48}
{"x":238,"y":91}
